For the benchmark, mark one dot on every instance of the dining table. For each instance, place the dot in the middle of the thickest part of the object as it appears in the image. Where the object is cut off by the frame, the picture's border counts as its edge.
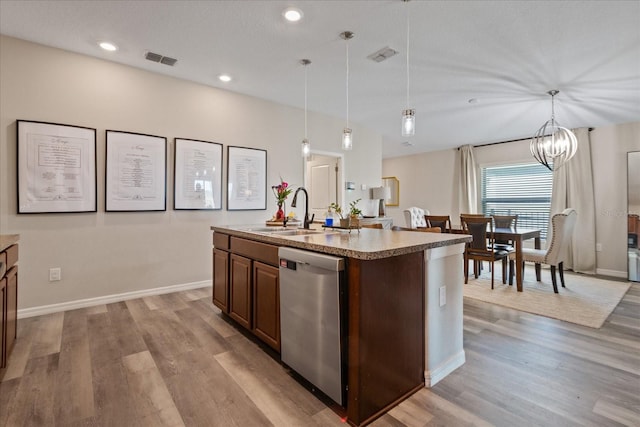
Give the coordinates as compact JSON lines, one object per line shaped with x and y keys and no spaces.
{"x":517,"y":235}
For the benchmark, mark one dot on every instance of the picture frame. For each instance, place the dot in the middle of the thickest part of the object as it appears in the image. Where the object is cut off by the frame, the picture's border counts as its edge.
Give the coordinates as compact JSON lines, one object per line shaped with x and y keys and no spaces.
{"x":393,"y":184}
{"x":56,"y":166}
{"x":197,"y":171}
{"x":246,"y":179}
{"x":136,"y":172}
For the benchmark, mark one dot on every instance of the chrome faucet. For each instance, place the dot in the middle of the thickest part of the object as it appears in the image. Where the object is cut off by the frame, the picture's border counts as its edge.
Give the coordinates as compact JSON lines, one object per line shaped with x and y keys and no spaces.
{"x":307,"y":221}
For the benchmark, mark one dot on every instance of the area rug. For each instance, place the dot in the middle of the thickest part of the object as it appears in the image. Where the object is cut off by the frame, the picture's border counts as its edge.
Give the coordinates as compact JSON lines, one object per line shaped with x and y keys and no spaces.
{"x":586,"y":300}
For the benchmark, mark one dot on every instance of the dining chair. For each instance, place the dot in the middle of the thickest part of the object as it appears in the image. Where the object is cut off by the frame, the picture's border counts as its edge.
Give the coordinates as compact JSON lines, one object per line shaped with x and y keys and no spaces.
{"x":442,"y":221}
{"x":481,"y":247}
{"x":505,"y":221}
{"x":414,"y":217}
{"x":562,"y":225}
{"x":379,"y":226}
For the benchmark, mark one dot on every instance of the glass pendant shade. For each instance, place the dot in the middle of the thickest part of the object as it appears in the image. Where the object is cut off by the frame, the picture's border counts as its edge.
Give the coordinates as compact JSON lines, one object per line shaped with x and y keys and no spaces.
{"x":553,"y":145}
{"x":408,"y":122}
{"x":347,"y":139}
{"x":306,"y":148}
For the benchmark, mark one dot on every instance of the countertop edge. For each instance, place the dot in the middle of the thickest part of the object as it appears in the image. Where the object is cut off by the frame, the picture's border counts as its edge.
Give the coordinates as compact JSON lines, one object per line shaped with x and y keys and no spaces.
{"x":7,"y":240}
{"x":300,"y":242}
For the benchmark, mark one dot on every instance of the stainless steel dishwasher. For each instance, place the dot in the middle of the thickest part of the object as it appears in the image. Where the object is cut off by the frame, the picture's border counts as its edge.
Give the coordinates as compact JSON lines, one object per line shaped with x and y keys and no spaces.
{"x":312,"y":323}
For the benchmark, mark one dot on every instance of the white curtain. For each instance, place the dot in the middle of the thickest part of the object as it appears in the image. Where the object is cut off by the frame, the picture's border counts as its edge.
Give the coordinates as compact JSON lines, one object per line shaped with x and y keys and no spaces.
{"x":468,"y":181}
{"x":573,"y":188}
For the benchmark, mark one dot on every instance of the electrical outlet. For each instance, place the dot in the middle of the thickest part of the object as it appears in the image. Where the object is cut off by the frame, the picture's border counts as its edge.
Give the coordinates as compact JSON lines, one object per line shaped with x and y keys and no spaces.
{"x":598,"y":247}
{"x":443,"y":295}
{"x":55,"y":274}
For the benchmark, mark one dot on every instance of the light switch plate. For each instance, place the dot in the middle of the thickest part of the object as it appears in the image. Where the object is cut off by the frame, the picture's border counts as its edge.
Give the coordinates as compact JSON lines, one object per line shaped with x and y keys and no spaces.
{"x":55,"y":274}
{"x":443,"y":295}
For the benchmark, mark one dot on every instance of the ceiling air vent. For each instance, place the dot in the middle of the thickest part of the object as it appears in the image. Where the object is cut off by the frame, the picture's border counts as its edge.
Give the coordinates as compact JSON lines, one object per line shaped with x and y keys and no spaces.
{"x":382,"y":54}
{"x":155,"y":57}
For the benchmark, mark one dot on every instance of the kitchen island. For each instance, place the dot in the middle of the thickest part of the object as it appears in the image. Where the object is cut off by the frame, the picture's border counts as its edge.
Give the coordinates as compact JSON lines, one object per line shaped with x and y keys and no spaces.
{"x":403,"y":303}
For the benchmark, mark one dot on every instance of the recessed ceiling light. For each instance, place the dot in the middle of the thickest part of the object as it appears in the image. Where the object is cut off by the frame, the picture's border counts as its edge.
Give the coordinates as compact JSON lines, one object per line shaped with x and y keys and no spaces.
{"x":108,"y":46}
{"x":224,"y":78}
{"x":292,"y":14}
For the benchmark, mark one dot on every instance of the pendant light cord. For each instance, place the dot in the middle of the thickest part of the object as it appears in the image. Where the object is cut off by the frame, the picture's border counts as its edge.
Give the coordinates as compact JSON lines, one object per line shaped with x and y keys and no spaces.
{"x":347,"y":82}
{"x":305,"y":101}
{"x":407,"y":10}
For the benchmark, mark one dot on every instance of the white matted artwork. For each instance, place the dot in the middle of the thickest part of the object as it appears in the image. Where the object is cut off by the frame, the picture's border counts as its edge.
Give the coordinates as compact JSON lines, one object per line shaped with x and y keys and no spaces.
{"x":56,"y":168}
{"x":197,"y":175}
{"x":136,"y":170}
{"x":246,"y":179}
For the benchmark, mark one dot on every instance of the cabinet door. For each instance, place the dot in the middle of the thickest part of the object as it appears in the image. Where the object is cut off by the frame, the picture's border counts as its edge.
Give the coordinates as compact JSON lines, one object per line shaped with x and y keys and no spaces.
{"x":266,"y":304}
{"x":240,"y":290}
{"x":221,"y":280}
{"x":12,"y":310}
{"x":3,"y":320}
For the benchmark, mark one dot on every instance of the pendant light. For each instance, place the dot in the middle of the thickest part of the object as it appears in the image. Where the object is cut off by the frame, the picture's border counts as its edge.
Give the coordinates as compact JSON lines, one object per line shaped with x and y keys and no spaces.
{"x":408,"y":114}
{"x":553,"y":145}
{"x":347,"y":136}
{"x":306,"y":147}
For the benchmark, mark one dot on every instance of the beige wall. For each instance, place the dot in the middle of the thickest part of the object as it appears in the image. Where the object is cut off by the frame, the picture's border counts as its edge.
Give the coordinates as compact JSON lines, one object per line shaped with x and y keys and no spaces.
{"x":430,"y":181}
{"x":110,"y":253}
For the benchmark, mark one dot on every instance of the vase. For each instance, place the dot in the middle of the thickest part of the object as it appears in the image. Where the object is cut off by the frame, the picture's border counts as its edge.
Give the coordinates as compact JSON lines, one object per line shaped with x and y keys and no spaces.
{"x":280,"y":213}
{"x":344,"y":222}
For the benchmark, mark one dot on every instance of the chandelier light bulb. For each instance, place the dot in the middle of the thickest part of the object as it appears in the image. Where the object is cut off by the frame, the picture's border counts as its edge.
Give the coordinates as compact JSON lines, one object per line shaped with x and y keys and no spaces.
{"x":306,"y":148}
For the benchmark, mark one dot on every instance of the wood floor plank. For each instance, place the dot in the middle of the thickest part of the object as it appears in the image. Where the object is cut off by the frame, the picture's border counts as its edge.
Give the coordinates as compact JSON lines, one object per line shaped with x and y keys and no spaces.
{"x":74,"y":385}
{"x":33,"y":403}
{"x":48,"y":336}
{"x":616,"y":413}
{"x":152,"y":400}
{"x":22,"y":350}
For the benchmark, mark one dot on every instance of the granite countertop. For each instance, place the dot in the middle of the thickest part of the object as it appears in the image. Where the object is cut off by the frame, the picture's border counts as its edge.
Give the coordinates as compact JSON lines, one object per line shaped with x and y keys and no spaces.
{"x":7,"y":240}
{"x":367,"y":244}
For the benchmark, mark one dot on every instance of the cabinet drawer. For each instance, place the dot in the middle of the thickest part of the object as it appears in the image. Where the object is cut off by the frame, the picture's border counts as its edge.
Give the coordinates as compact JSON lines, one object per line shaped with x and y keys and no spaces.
{"x":255,"y":250}
{"x":12,"y":256}
{"x":221,"y":241}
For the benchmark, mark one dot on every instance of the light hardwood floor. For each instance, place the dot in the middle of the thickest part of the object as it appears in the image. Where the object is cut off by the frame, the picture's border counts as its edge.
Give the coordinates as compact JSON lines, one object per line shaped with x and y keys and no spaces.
{"x":172,"y":360}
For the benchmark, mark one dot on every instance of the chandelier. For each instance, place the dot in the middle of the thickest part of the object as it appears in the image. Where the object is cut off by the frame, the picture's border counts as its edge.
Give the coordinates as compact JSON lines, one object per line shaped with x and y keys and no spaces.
{"x":408,"y":114}
{"x":553,"y":145}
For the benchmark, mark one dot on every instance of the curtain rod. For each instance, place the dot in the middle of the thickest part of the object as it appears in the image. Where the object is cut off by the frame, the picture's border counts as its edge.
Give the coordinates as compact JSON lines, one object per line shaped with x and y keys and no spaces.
{"x":505,"y":142}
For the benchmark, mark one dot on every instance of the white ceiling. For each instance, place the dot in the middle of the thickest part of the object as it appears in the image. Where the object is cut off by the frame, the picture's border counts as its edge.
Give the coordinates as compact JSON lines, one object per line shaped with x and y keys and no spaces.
{"x":504,"y":54}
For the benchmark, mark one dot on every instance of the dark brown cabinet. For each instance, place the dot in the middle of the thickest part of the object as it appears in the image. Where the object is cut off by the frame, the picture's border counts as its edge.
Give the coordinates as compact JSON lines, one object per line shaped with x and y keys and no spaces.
{"x":8,"y":302}
{"x":246,"y":285}
{"x":221,"y":280}
{"x":266,"y":307}
{"x":240,"y":290}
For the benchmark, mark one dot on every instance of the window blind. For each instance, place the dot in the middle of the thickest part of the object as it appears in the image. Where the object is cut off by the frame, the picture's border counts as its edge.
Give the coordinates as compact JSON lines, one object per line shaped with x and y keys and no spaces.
{"x":523,"y":189}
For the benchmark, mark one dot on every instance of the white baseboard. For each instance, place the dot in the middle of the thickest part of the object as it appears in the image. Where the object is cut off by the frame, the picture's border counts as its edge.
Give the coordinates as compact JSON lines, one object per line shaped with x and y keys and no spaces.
{"x":108,"y":299}
{"x":432,"y":377}
{"x":611,"y":273}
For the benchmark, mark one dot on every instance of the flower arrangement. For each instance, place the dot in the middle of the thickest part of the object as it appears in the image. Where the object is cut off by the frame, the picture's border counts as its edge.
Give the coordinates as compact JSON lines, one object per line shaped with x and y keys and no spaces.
{"x":281,"y":191}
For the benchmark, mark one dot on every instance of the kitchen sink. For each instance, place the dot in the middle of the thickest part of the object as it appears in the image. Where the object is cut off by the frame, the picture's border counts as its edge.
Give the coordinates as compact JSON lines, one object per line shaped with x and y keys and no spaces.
{"x":296,"y":232}
{"x":279,"y":231}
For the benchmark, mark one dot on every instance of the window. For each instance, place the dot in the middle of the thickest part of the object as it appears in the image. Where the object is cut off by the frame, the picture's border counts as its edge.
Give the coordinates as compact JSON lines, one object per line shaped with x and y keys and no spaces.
{"x":523,"y":189}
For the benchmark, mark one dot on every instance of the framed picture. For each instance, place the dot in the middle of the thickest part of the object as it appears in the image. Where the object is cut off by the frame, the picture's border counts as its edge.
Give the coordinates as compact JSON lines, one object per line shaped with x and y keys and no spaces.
{"x":246,"y":179}
{"x":197,"y":171}
{"x":393,"y":185}
{"x":136,"y":172}
{"x":56,"y":168}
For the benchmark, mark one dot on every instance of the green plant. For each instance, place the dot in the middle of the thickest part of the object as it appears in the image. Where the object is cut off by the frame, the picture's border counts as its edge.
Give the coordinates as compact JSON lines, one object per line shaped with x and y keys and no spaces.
{"x":336,"y":208}
{"x":353,"y":209}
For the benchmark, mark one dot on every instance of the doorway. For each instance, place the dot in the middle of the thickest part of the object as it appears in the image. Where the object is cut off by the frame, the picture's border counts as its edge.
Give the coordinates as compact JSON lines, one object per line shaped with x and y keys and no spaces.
{"x":323,"y":177}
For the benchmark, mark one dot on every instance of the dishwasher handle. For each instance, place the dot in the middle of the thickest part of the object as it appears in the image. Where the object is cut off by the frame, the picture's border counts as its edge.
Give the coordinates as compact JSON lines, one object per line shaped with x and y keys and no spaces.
{"x":290,"y":257}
